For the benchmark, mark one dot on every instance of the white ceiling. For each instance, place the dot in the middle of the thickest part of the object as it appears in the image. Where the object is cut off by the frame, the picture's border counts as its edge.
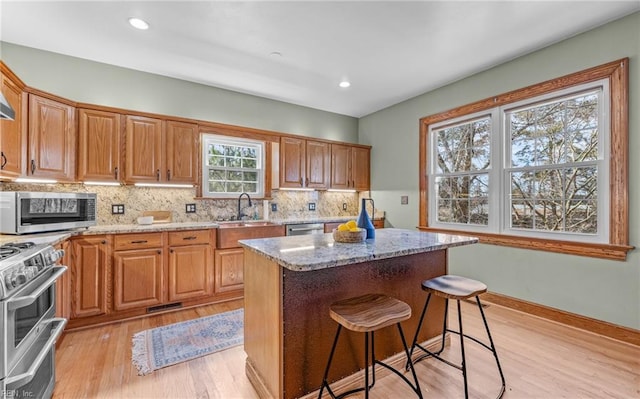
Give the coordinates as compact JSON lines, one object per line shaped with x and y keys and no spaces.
{"x":389,"y":50}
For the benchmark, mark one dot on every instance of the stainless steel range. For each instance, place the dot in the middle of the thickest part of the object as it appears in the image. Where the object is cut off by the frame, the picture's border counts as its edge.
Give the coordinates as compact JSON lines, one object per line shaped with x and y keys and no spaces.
{"x":28,"y":326}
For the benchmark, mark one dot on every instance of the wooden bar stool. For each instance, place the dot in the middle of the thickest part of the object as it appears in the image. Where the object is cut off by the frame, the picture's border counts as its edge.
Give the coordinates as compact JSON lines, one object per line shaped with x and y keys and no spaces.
{"x":455,"y":287}
{"x":367,"y":314}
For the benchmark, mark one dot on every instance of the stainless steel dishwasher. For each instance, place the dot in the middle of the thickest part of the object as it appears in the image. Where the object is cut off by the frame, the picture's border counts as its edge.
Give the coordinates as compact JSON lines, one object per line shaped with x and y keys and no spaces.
{"x":304,"y":229}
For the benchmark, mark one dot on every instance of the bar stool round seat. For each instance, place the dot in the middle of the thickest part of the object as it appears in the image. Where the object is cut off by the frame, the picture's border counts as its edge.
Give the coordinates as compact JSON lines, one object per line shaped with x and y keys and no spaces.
{"x":456,"y":288}
{"x":369,"y":313}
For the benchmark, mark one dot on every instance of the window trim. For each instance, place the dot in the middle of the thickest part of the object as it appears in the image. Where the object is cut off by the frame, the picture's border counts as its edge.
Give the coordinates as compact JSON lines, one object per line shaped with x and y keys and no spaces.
{"x":617,"y":74}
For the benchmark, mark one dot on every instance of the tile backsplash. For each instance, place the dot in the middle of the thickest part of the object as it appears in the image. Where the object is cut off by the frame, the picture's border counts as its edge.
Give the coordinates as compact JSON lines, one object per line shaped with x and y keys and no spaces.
{"x":136,"y":200}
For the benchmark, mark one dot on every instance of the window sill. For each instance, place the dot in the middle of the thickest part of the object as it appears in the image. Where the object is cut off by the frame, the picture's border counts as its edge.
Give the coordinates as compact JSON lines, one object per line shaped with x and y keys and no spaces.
{"x":604,"y":251}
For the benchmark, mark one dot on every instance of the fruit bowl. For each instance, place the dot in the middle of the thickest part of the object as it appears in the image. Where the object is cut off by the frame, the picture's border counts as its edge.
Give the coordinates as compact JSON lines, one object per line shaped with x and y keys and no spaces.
{"x":349,"y":236}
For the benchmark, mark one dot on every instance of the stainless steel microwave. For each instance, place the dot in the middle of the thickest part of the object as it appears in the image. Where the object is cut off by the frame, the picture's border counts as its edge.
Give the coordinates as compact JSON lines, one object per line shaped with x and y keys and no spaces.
{"x":23,"y":212}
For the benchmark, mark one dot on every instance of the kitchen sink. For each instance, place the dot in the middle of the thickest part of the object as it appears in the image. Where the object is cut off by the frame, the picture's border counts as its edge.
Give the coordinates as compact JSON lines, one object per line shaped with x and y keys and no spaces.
{"x":230,"y":232}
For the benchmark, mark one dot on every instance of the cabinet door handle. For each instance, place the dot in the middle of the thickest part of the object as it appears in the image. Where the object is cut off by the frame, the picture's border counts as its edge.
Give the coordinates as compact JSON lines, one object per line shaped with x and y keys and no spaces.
{"x":159,"y":252}
{"x":33,"y":166}
{"x":301,"y":181}
{"x":103,"y":242}
{"x":139,"y":242}
{"x":116,"y":173}
{"x":4,"y":160}
{"x":189,"y":238}
{"x":171,"y":250}
{"x":168,"y":174}
{"x":158,"y":174}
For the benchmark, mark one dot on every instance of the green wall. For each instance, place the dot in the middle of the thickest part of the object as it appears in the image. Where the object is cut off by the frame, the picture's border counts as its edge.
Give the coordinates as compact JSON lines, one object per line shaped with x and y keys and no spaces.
{"x":97,"y":83}
{"x":601,"y":289}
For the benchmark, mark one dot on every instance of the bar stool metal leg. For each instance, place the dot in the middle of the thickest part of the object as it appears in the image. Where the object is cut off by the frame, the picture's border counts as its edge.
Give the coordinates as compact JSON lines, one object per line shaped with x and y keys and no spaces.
{"x":493,"y":347}
{"x":369,"y":348}
{"x":463,"y":365}
{"x":326,"y":370}
{"x":367,"y":314}
{"x":458,"y":288}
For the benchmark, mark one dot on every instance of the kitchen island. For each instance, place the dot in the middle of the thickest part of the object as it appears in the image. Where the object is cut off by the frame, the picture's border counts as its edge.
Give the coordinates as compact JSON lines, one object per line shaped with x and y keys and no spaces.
{"x":291,"y":281}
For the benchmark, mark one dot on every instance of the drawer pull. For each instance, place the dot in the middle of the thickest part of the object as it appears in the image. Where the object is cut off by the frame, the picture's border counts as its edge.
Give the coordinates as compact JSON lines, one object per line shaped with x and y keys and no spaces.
{"x":190,"y":238}
{"x":139,"y":242}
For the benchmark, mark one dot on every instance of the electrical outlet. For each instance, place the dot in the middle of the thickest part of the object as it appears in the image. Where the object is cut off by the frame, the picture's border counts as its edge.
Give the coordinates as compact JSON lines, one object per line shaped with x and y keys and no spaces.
{"x":344,"y":206}
{"x":274,"y":207}
{"x":404,"y":200}
{"x":117,"y":209}
{"x":190,"y":208}
{"x":312,"y":206}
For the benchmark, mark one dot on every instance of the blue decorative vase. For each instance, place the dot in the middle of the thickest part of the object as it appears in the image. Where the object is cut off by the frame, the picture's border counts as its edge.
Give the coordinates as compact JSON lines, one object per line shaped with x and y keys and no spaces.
{"x":364,"y":221}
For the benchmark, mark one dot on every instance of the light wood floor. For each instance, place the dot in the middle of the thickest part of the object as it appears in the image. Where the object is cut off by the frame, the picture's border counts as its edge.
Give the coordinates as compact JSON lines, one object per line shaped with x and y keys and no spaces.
{"x":540,"y":359}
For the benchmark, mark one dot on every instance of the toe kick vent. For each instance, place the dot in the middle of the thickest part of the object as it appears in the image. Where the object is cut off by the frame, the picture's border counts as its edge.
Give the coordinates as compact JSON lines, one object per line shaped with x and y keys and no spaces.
{"x":167,"y":306}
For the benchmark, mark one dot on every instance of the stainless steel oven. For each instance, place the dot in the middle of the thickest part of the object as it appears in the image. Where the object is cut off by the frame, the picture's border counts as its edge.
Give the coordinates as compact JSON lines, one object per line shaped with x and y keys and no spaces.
{"x":28,"y":326}
{"x":34,"y":375}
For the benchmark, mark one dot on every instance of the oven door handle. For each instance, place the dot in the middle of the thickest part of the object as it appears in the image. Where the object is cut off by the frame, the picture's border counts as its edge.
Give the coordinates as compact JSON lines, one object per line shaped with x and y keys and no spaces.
{"x":25,"y":378}
{"x":26,"y":300}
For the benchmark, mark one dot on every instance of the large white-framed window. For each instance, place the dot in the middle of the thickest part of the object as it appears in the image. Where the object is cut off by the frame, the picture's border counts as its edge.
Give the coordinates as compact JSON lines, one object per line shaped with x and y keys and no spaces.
{"x":231,"y":166}
{"x":544,"y":167}
{"x":556,"y":180}
{"x":464,"y":174}
{"x":542,"y":161}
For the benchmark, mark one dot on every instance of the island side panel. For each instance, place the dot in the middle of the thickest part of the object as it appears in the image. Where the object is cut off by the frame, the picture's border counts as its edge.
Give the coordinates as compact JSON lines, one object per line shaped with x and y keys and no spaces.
{"x":263,"y":324}
{"x":309,"y":330}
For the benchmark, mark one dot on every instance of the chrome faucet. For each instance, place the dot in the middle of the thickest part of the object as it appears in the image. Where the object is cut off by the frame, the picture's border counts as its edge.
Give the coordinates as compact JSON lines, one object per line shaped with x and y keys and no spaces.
{"x":240,"y":214}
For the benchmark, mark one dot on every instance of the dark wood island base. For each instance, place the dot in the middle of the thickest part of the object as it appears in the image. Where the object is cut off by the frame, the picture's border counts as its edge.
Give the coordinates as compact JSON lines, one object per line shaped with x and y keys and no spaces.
{"x":289,"y":332}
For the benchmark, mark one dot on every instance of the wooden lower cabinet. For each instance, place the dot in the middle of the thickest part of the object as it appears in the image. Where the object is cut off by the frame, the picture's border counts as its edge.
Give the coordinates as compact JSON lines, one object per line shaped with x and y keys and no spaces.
{"x":138,"y":278}
{"x":190,"y":265}
{"x":63,"y":285}
{"x":89,"y":274}
{"x":229,"y":269}
{"x":114,"y":277}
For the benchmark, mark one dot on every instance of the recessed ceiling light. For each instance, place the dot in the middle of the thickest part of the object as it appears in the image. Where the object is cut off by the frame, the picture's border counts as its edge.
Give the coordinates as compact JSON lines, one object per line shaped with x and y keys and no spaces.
{"x":138,"y":23}
{"x":345,"y":84}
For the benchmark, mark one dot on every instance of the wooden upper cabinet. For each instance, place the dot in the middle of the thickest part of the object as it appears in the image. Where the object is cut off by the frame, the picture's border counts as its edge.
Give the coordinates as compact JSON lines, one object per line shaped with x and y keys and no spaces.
{"x":318,"y":164}
{"x":99,"y":140}
{"x":304,"y":163}
{"x":13,"y":137}
{"x":52,"y":139}
{"x":292,"y":162}
{"x":341,"y":167}
{"x":361,"y":168}
{"x":182,"y":152}
{"x":144,"y":150}
{"x":350,"y":167}
{"x":160,"y":152}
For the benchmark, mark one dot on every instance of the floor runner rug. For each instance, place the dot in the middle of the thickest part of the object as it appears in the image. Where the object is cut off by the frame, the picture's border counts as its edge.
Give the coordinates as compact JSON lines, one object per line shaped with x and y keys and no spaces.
{"x":168,"y":345}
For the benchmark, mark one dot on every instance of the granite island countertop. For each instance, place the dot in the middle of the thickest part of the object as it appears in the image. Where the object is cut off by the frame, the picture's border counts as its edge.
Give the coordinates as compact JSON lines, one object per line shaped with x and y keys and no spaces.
{"x":320,"y":251}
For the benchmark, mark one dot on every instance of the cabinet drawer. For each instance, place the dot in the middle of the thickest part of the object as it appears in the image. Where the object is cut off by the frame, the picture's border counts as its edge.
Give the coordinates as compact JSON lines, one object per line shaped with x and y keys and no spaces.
{"x":134,"y":241}
{"x":189,"y":237}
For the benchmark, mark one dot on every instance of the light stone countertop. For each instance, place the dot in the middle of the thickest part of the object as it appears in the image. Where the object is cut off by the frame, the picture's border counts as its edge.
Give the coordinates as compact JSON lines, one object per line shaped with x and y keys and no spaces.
{"x":146,"y":228}
{"x":54,"y":238}
{"x":320,"y":251}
